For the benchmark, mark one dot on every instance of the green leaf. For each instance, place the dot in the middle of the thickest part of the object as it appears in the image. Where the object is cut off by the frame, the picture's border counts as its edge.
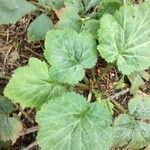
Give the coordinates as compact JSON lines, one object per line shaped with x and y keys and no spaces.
{"x":71,"y":123}
{"x":4,"y":145}
{"x":120,"y":84}
{"x":6,"y":106}
{"x":70,"y":53}
{"x":109,"y":7}
{"x":129,"y":129}
{"x":82,"y":6}
{"x":125,"y":38}
{"x":52,"y":3}
{"x":91,"y":26}
{"x":32,"y":85}
{"x":39,"y":27}
{"x":76,"y":5}
{"x":9,"y":126}
{"x":70,"y":20}
{"x":12,"y":10}
{"x":137,"y":80}
{"x":140,"y":107}
{"x":109,"y":105}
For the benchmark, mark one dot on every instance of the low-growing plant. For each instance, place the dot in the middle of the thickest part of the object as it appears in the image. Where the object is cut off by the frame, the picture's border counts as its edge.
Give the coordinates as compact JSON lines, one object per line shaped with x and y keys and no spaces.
{"x":71,"y":112}
{"x":12,"y":10}
{"x":10,"y":127}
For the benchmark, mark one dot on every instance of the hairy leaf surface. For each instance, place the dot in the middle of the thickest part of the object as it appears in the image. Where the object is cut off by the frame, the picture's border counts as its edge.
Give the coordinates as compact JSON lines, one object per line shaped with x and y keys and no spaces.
{"x":10,"y":127}
{"x":137,"y":80}
{"x":12,"y":10}
{"x":125,"y":38}
{"x":32,"y":85}
{"x":75,"y":4}
{"x":132,"y":129}
{"x":54,"y":4}
{"x":82,"y":6}
{"x":70,"y":53}
{"x":108,"y":7}
{"x":71,"y":123}
{"x":91,"y":26}
{"x":39,"y":27}
{"x":140,"y":107}
{"x":6,"y":106}
{"x":70,"y":20}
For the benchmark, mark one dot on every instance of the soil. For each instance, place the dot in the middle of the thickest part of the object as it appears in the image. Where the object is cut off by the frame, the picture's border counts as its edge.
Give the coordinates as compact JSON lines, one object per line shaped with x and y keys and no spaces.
{"x":15,"y":51}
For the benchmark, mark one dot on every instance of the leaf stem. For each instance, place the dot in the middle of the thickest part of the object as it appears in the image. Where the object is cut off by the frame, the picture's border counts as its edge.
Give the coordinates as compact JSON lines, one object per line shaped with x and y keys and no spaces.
{"x":86,"y":80}
{"x":89,"y":96}
{"x":93,"y":74}
{"x":29,"y":130}
{"x":119,"y":106}
{"x":83,"y":86}
{"x":115,"y":96}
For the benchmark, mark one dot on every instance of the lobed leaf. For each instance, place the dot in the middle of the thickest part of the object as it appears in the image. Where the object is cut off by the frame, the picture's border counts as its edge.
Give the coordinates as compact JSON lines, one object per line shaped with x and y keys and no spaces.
{"x":10,"y":127}
{"x":132,"y":129}
{"x":82,"y":6}
{"x":6,"y":106}
{"x":91,"y":26}
{"x":129,"y":131}
{"x":125,"y":38}
{"x":32,"y":85}
{"x":140,"y":107}
{"x":39,"y":27}
{"x":11,"y":10}
{"x":52,"y":4}
{"x":77,"y":5}
{"x":70,"y":123}
{"x":70,"y":20}
{"x":70,"y":53}
{"x":108,"y":7}
{"x":137,"y":80}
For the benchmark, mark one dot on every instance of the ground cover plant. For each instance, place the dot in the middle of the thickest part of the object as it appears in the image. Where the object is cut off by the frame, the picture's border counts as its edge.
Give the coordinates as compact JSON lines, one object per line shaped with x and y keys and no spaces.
{"x":72,"y":112}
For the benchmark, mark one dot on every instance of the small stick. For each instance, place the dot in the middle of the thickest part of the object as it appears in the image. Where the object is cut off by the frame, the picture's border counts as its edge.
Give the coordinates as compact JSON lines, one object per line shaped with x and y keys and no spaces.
{"x":5,"y":59}
{"x":123,"y":92}
{"x":30,"y":146}
{"x":25,"y":114}
{"x":29,"y":130}
{"x":83,"y":86}
{"x":89,"y":96}
{"x":5,"y":77}
{"x":115,"y":96}
{"x":93,"y":74}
